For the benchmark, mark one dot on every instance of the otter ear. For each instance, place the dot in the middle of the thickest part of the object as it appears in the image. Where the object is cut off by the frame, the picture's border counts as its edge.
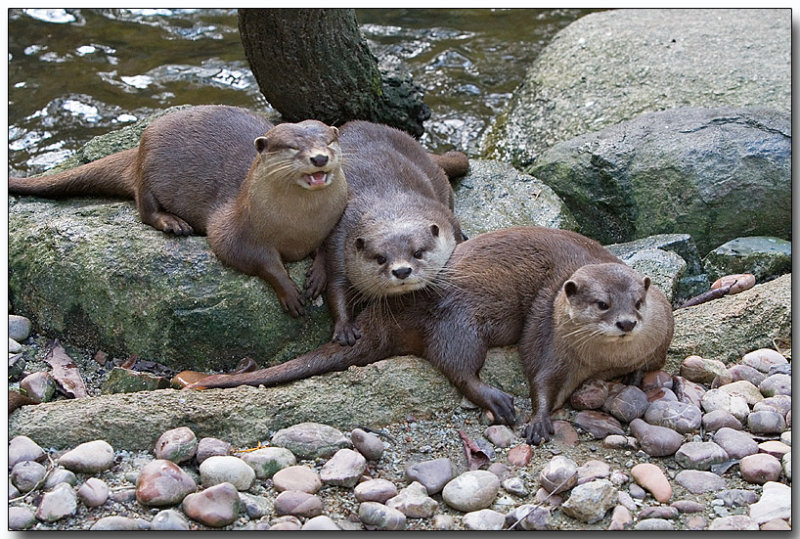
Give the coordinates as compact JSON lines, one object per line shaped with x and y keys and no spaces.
{"x":335,"y":132}
{"x":261,"y":144}
{"x":435,"y":231}
{"x":570,"y":288}
{"x":360,"y":243}
{"x":646,"y":283}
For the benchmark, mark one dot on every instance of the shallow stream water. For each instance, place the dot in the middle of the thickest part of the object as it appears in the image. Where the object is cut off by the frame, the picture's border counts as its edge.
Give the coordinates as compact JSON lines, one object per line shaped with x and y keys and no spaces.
{"x":77,"y":73}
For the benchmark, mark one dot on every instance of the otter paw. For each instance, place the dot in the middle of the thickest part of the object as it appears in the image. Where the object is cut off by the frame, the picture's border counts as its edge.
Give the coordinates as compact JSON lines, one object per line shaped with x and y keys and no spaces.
{"x":315,"y":284}
{"x":346,"y":333}
{"x":501,"y":404}
{"x":172,"y":224}
{"x":538,"y":429}
{"x":292,"y":303}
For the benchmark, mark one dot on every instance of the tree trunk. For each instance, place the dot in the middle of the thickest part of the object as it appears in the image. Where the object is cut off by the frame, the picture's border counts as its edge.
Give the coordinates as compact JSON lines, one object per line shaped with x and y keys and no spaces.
{"x":314,"y":63}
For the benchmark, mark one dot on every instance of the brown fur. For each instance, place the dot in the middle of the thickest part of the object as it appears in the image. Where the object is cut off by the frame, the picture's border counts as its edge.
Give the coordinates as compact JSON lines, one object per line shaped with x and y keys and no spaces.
{"x":502,"y":288}
{"x":213,"y":170}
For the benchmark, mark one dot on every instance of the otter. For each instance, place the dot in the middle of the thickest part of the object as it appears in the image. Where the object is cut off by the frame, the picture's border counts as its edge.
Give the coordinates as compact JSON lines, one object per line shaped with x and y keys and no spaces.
{"x":398,"y":228}
{"x":264,"y":194}
{"x":576,"y":311}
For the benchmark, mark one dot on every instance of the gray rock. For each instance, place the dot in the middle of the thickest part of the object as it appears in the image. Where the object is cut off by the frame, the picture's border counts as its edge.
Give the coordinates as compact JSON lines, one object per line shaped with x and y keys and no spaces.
{"x":226,"y":469}
{"x":57,"y":504}
{"x":434,"y":474}
{"x":14,"y":347}
{"x":26,"y":475}
{"x":780,"y":403}
{"x":590,"y":501}
{"x":777,"y":384}
{"x":620,"y":518}
{"x":484,"y":520}
{"x":216,"y":506}
{"x":60,"y":475}
{"x":659,"y":512}
{"x":344,"y":469}
{"x":674,"y":65}
{"x":298,"y":503}
{"x":20,"y":518}
{"x":494,"y":195}
{"x":697,"y":482}
{"x":94,"y":492}
{"x":209,"y":447}
{"x":368,"y":444}
{"x":267,"y":461}
{"x":375,"y":490}
{"x":666,"y":270}
{"x":89,"y":457}
{"x":701,"y":370}
{"x":414,"y":502}
{"x":775,"y":502}
{"x":528,"y":517}
{"x":40,"y":386}
{"x":745,"y":389}
{"x":593,"y":469}
{"x":736,"y":443}
{"x":766,"y":422}
{"x":19,"y":328}
{"x":764,"y":257}
{"x":119,"y":523}
{"x":515,"y":486}
{"x":169,"y":519}
{"x":627,"y":404}
{"x":297,"y":478}
{"x":285,"y":523}
{"x":654,"y":440}
{"x":375,"y":515}
{"x":255,"y":506}
{"x":22,"y":448}
{"x":764,"y":359}
{"x":310,"y":440}
{"x":688,"y":506}
{"x":737,"y":497}
{"x":745,"y":372}
{"x":733,"y":522}
{"x":320,"y":523}
{"x":654,"y":524}
{"x":177,"y":445}
{"x":500,"y":435}
{"x":162,"y":482}
{"x":717,"y":399}
{"x":717,"y":419}
{"x":677,"y":416}
{"x":559,"y":474}
{"x":760,"y":468}
{"x":597,"y":424}
{"x":786,"y":462}
{"x":700,"y":455}
{"x":471,"y":491}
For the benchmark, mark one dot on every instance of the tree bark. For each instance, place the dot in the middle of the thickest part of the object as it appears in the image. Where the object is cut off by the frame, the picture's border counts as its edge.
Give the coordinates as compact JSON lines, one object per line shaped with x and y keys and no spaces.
{"x":314,"y":63}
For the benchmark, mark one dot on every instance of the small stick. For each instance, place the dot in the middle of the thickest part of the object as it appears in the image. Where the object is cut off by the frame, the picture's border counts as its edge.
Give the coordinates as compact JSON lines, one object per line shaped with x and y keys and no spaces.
{"x":707,"y":296}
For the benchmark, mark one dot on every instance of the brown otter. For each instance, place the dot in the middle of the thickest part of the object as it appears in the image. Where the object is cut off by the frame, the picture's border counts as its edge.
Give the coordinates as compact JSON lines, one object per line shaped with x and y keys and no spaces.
{"x":576,"y":311}
{"x":398,"y":229}
{"x":263,"y":194}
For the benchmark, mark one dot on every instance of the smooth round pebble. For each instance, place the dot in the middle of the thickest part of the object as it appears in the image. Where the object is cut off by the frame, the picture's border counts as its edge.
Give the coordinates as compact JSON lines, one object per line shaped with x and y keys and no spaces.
{"x":766,"y":422}
{"x":89,"y":457}
{"x":736,"y":443}
{"x":688,"y":506}
{"x":775,"y":448}
{"x":298,"y":503}
{"x":375,"y":490}
{"x":434,"y":474}
{"x":654,"y":440}
{"x":39,"y":386}
{"x":515,"y":486}
{"x":733,"y":522}
{"x":57,"y":504}
{"x":177,"y":445}
{"x":627,"y":404}
{"x":678,"y":416}
{"x":119,"y":523}
{"x":227,"y":469}
{"x":27,"y":474}
{"x":763,"y":358}
{"x":310,"y":440}
{"x":520,"y":455}
{"x":559,"y":474}
{"x":94,"y":492}
{"x":19,"y":327}
{"x":776,"y":384}
{"x":344,"y":469}
{"x":368,"y":444}
{"x":598,"y":424}
{"x":169,"y":519}
{"x":713,"y":421}
{"x":760,"y":468}
{"x":484,"y":520}
{"x":414,"y":502}
{"x":22,"y":448}
{"x":20,"y":518}
{"x":375,"y":515}
{"x":658,"y":512}
{"x":216,"y":506}
{"x":744,"y":389}
{"x":59,"y":475}
{"x":162,"y":482}
{"x":320,"y":523}
{"x":210,"y":447}
{"x":717,"y":399}
{"x":698,"y":481}
{"x":654,"y":524}
{"x":652,"y":478}
{"x":267,"y":461}
{"x":620,"y":518}
{"x":500,"y":435}
{"x":472,"y":490}
{"x":700,"y":455}
{"x":297,"y":478}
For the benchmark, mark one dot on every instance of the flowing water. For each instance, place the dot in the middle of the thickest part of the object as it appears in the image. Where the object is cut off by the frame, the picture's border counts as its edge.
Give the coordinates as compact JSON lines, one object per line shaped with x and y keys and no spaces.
{"x":77,"y":73}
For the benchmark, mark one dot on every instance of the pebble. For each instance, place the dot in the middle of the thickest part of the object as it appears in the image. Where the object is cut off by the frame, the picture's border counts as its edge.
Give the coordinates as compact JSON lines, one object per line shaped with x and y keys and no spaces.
{"x":590,"y":501}
{"x":20,"y":518}
{"x":591,"y":395}
{"x":696,"y":522}
{"x":656,"y":379}
{"x":652,"y":478}
{"x":717,"y":399}
{"x":775,"y":448}
{"x":375,"y":490}
{"x":662,"y":511}
{"x":39,"y":386}
{"x":700,"y":455}
{"x":786,"y":462}
{"x":13,"y":346}
{"x":766,"y":422}
{"x":697,"y":481}
{"x":226,"y":469}
{"x":500,"y":435}
{"x":162,"y":482}
{"x":169,"y":519}
{"x":375,"y":515}
{"x":528,"y":517}
{"x":736,"y":443}
{"x":286,"y":523}
{"x":320,"y":523}
{"x":216,"y":506}
{"x":471,"y":490}
{"x":515,"y":486}
{"x":618,"y":441}
{"x":93,"y":493}
{"x":255,"y":506}
{"x":210,"y":447}
{"x":598,"y":424}
{"x":310,"y":440}
{"x":763,"y":358}
{"x":744,"y":389}
{"x":619,"y":477}
{"x":177,"y":445}
{"x":786,"y":437}
{"x":368,"y":444}
{"x":60,"y":475}
{"x":678,"y":416}
{"x":414,"y":502}
{"x":713,"y":421}
{"x":654,"y":440}
{"x":627,"y":404}
{"x":746,"y":372}
{"x":27,"y":474}
{"x":22,"y":448}
{"x":57,"y":504}
{"x":760,"y":468}
{"x":701,"y":370}
{"x":297,"y":478}
{"x":19,"y":327}
{"x":593,"y":469}
{"x":343,"y":469}
{"x":688,"y":506}
{"x":688,"y":391}
{"x":775,"y":502}
{"x":776,"y":384}
{"x":484,"y":520}
{"x":559,"y":474}
{"x":733,"y":522}
{"x":736,"y":497}
{"x":434,"y":474}
{"x":443,"y":522}
{"x":637,"y":491}
{"x":500,"y":470}
{"x":776,"y":525}
{"x":298,"y":503}
{"x":267,"y":461}
{"x":654,"y":524}
{"x":118,"y":523}
{"x":520,"y":455}
{"x":89,"y":457}
{"x":780,"y":403}
{"x":620,"y":518}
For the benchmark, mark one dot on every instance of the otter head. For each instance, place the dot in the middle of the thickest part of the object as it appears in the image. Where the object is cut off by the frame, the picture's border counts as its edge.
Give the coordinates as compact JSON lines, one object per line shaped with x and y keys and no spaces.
{"x":394,"y":257}
{"x":306,"y":154}
{"x":608,"y":299}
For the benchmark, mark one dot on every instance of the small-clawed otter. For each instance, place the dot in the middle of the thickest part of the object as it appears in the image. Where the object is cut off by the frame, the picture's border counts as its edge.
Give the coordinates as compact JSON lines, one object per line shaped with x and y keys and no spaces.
{"x":263,"y":194}
{"x":576,"y":311}
{"x":398,"y":229}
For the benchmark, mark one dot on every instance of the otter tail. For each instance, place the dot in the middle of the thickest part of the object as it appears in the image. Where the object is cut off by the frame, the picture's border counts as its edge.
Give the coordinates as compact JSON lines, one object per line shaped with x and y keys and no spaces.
{"x":110,"y":176}
{"x":455,"y":164}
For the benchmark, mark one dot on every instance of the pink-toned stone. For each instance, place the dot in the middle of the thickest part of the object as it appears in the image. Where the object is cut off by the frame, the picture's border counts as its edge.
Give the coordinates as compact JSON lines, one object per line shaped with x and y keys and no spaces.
{"x":775,"y":448}
{"x":564,"y":434}
{"x":650,"y":477}
{"x":760,"y":468}
{"x":297,"y":478}
{"x":520,"y":455}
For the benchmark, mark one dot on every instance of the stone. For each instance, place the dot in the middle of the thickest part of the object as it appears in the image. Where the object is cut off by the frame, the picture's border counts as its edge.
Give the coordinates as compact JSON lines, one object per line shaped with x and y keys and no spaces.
{"x":627,"y":404}
{"x":226,"y":469}
{"x":178,"y":445}
{"x":121,"y":380}
{"x":698,"y":482}
{"x":444,"y":522}
{"x":780,"y":403}
{"x":696,"y":522}
{"x":298,"y":503}
{"x":688,"y":391}
{"x":620,"y":518}
{"x":658,"y":512}
{"x":653,"y":479}
{"x":590,"y":501}
{"x":654,"y":524}
{"x":718,"y":419}
{"x":434,"y":474}
{"x":775,"y":448}
{"x":255,"y":506}
{"x":39,"y":386}
{"x":60,"y":475}
{"x":297,"y":478}
{"x":89,"y":457}
{"x":660,"y":393}
{"x":57,"y":504}
{"x":285,"y":523}
{"x":367,"y":444}
{"x":217,"y":506}
{"x":746,"y":372}
{"x":760,"y":468}
{"x":515,"y":486}
{"x":776,"y":525}
{"x":375,"y":490}
{"x":688,"y":506}
{"x":591,"y":395}
{"x":717,"y":399}
{"x":162,"y":482}
{"x":528,"y":517}
{"x":745,"y":389}
{"x":20,"y":518}
{"x":169,"y":519}
{"x":737,"y":444}
{"x":678,"y":416}
{"x":737,"y":497}
{"x":94,"y":492}
{"x":209,"y":447}
{"x":520,"y":455}
{"x":119,"y":523}
{"x":618,"y":441}
{"x":344,"y":469}
{"x":776,"y":384}
{"x":310,"y":440}
{"x":375,"y":515}
{"x":414,"y":502}
{"x":268,"y":460}
{"x":593,"y":469}
{"x":500,"y":435}
{"x":27,"y":475}
{"x":471,"y":491}
{"x":658,"y":379}
{"x":786,"y":462}
{"x":14,"y":348}
{"x":700,"y":455}
{"x":763,"y":359}
{"x":564,"y":435}
{"x":19,"y":327}
{"x":320,"y":523}
{"x":654,"y":440}
{"x":559,"y":474}
{"x":484,"y":520}
{"x":700,"y":370}
{"x":775,"y":502}
{"x":762,"y":256}
{"x":597,"y":424}
{"x":733,"y":522}
{"x":766,"y":422}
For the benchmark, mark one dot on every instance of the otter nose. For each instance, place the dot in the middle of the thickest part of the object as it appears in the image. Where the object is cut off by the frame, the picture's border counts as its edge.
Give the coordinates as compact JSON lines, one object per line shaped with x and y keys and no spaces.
{"x":319,"y":160}
{"x":401,"y":273}
{"x":626,"y":325}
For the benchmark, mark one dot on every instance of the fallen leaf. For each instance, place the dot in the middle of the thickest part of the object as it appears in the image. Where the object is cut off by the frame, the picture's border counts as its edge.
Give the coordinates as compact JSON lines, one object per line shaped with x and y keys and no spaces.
{"x":65,"y":372}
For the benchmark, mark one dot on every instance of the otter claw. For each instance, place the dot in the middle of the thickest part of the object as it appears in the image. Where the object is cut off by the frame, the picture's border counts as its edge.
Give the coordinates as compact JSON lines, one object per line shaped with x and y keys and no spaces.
{"x":346,"y":334}
{"x":538,"y":430}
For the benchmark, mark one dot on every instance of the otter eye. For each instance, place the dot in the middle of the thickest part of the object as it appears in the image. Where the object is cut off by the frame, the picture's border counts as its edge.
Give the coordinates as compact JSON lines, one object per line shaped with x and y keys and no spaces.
{"x":380,"y":259}
{"x":418,"y":253}
{"x":638,"y":305}
{"x":602,"y":305}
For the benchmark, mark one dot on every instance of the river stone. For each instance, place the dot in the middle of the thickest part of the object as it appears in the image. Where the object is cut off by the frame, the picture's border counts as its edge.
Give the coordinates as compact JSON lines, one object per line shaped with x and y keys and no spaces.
{"x":434,"y":474}
{"x":651,"y":477}
{"x":209,"y":447}
{"x":57,"y":504}
{"x":700,"y":455}
{"x":658,"y":512}
{"x":310,"y":440}
{"x":620,"y":518}
{"x":764,"y":359}
{"x":590,"y":501}
{"x":627,"y":404}
{"x":19,"y":327}
{"x":604,"y":177}
{"x":227,"y":469}
{"x":593,"y":469}
{"x":169,"y":519}
{"x":688,"y":506}
{"x":746,"y":372}
{"x":375,"y":515}
{"x":22,"y":448}
{"x":414,"y":502}
{"x":654,"y":440}
{"x":471,"y":490}
{"x":297,"y":478}
{"x":20,"y":518}
{"x":89,"y":457}
{"x":344,"y":469}
{"x":737,"y":497}
{"x":780,"y":403}
{"x":678,"y":416}
{"x":59,"y":475}
{"x":119,"y":523}
{"x":215,"y":506}
{"x":698,"y":482}
{"x":590,"y":395}
{"x":500,"y":435}
{"x":662,"y":58}
{"x":775,"y":502}
{"x":733,"y":522}
{"x":162,"y":482}
{"x":368,"y":444}
{"x":94,"y":492}
{"x":559,"y":474}
{"x":298,"y":503}
{"x":27,"y":474}
{"x":484,"y":520}
{"x":597,"y":424}
{"x":701,"y":370}
{"x":745,"y":389}
{"x":717,"y":419}
{"x":775,"y":448}
{"x":39,"y":386}
{"x":255,"y":506}
{"x":321,"y":523}
{"x":177,"y":445}
{"x":766,"y":422}
{"x":717,"y":399}
{"x":495,"y":195}
{"x":375,"y":490}
{"x":736,"y":443}
{"x":764,"y":257}
{"x":285,"y":523}
{"x":268,"y":460}
{"x":760,"y":468}
{"x":777,"y":384}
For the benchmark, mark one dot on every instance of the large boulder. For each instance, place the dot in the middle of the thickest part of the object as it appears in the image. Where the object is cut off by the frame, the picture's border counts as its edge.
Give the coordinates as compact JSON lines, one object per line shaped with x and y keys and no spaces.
{"x":702,"y":172}
{"x":611,"y":66}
